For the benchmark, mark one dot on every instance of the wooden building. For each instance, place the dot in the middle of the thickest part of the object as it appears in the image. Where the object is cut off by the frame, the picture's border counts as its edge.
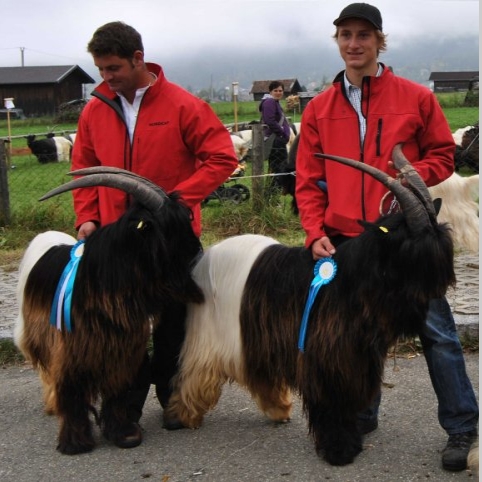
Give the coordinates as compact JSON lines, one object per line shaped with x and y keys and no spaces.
{"x":260,"y":87}
{"x":452,"y":81}
{"x":40,"y":90}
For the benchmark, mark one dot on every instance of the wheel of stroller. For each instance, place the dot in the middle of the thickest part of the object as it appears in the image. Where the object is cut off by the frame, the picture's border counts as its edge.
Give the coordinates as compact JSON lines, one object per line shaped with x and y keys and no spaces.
{"x":213,"y":195}
{"x":231,"y":194}
{"x":244,"y":192}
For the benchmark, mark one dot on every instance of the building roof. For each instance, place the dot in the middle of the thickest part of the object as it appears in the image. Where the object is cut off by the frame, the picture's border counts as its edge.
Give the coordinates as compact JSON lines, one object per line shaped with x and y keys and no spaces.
{"x":49,"y":74}
{"x":449,"y":76}
{"x":261,"y":86}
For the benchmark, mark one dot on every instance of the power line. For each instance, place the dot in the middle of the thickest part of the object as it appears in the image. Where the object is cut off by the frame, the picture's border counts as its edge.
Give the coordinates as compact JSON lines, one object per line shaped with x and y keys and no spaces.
{"x":23,"y":49}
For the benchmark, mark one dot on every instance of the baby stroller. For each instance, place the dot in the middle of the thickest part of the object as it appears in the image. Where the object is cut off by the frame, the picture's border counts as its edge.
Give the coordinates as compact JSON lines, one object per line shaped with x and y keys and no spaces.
{"x":236,"y":193}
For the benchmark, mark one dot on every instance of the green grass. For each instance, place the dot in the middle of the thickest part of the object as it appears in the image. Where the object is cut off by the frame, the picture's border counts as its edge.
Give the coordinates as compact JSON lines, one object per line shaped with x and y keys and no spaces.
{"x":29,"y":180}
{"x":220,"y":220}
{"x":458,"y":117}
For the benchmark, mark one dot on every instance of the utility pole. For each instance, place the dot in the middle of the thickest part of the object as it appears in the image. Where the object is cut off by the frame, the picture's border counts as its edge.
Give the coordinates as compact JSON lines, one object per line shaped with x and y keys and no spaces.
{"x":235,"y":100}
{"x":22,"y":57}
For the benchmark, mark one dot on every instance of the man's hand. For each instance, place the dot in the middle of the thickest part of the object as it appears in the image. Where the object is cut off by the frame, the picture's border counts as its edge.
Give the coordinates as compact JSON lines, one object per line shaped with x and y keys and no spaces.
{"x":86,"y":229}
{"x":322,"y":248}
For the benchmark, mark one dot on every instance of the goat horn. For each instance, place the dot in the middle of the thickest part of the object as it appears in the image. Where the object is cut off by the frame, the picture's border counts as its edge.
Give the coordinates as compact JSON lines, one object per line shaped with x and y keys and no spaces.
{"x":415,"y":212}
{"x":413,"y":178}
{"x":117,"y":170}
{"x":144,"y":194}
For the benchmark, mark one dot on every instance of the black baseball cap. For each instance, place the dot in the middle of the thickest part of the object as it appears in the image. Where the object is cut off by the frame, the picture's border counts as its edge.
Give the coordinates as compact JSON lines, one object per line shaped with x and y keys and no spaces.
{"x":363,"y":11}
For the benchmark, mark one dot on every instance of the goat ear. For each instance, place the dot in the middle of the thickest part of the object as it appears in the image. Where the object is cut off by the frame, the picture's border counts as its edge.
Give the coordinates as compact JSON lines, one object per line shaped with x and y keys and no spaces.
{"x":374,"y":227}
{"x":366,"y":225}
{"x":437,"y":204}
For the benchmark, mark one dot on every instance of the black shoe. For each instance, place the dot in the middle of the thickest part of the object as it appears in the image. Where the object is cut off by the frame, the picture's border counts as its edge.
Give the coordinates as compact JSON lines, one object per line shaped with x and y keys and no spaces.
{"x":454,"y":455}
{"x":367,"y":425}
{"x":127,"y":436}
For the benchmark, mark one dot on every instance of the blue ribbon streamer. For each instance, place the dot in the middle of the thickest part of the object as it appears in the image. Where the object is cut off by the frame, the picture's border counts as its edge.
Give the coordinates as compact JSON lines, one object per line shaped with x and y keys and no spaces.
{"x":63,"y":295}
{"x":325,"y":271}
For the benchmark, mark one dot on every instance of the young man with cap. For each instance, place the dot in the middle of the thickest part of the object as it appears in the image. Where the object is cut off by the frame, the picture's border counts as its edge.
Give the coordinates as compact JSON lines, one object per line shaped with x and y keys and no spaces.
{"x":366,"y":112}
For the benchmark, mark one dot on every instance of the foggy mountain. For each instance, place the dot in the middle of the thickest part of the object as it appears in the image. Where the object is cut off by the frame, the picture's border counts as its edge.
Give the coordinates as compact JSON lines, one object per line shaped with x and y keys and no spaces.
{"x":312,"y":65}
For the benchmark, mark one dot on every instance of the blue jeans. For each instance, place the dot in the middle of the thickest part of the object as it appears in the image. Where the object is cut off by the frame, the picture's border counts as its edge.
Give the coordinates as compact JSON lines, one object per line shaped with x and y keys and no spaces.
{"x":458,"y":411}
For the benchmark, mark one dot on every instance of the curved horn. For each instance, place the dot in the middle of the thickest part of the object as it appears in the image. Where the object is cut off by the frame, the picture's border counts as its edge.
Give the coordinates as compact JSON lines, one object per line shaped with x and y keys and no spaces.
{"x":144,"y":194}
{"x":116,"y":170}
{"x":415,"y":213}
{"x":413,"y":178}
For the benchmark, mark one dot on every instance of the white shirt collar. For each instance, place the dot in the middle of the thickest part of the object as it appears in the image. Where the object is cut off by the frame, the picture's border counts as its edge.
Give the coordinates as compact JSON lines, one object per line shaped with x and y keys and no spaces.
{"x":348,"y":84}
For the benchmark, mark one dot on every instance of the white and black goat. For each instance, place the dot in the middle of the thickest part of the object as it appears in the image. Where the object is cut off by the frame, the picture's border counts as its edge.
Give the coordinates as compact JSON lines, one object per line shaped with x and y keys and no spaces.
{"x":128,"y":271}
{"x":467,"y":148}
{"x":52,"y":149}
{"x":248,"y":329}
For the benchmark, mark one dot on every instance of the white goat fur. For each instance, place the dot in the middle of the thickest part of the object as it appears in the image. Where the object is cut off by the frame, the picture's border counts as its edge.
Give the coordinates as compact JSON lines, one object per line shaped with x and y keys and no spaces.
{"x":241,"y":147}
{"x":459,"y":134}
{"x":64,"y":147}
{"x":460,"y":209}
{"x":37,"y":248}
{"x":212,"y":350}
{"x":473,"y":459}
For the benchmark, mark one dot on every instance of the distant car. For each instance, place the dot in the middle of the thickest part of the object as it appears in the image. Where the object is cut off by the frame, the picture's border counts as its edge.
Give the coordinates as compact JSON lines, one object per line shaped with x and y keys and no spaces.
{"x":14,"y":114}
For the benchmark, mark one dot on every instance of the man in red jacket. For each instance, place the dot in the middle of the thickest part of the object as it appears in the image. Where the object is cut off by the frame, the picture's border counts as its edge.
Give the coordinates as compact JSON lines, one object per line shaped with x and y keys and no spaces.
{"x":366,"y":112}
{"x":139,"y":121}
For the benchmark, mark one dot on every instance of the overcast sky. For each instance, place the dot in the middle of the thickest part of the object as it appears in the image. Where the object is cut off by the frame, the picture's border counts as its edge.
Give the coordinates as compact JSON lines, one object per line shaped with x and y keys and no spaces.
{"x":51,"y":32}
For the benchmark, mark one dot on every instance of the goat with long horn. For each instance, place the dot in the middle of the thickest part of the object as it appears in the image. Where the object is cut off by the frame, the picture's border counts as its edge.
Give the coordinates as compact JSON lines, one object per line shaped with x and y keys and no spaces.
{"x":86,"y":309}
{"x":249,"y":329}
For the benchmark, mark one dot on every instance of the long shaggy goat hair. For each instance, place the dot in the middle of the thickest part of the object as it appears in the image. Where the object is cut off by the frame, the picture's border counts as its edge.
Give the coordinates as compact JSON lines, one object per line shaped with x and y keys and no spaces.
{"x":128,"y":271}
{"x":460,"y":209}
{"x":247,"y":330}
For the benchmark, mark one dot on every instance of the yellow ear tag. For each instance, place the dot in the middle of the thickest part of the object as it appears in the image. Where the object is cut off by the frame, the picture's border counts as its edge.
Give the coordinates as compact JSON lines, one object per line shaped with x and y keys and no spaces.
{"x":141,"y":224}
{"x":383,"y":228}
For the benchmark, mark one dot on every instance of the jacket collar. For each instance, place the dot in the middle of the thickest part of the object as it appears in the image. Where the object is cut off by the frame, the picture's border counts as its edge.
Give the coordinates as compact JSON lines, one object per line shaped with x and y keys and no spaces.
{"x":340,"y":76}
{"x":103,"y":91}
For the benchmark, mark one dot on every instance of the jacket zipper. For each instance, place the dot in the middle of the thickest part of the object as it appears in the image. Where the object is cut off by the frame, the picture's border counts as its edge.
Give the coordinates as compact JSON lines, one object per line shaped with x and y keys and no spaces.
{"x":365,"y":87}
{"x":118,"y":109}
{"x":379,"y":137}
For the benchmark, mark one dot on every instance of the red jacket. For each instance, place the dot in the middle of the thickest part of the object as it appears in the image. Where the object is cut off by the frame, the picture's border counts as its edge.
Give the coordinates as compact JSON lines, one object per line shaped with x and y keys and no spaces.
{"x":396,"y":110}
{"x":179,"y":143}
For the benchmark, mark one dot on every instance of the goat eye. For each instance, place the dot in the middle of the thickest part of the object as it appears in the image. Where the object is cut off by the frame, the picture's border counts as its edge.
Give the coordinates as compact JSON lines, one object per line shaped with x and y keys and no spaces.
{"x":141,"y":225}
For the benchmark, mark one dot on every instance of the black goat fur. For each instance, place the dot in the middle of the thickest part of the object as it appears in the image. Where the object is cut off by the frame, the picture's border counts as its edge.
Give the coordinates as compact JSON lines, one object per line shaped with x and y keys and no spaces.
{"x":384,"y":282}
{"x":129,"y":270}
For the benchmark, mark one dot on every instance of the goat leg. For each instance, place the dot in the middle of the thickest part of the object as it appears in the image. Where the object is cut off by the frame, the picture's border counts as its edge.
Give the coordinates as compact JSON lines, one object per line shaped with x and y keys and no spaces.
{"x":75,"y":435}
{"x":336,"y":436}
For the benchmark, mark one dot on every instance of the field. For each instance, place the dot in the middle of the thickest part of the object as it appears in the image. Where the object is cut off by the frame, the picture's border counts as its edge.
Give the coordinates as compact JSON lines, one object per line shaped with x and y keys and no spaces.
{"x":28,"y":180}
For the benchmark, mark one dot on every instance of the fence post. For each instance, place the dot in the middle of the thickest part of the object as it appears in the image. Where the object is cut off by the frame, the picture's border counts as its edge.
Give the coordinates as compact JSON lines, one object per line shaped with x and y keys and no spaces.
{"x":4,"y":198}
{"x":258,"y":167}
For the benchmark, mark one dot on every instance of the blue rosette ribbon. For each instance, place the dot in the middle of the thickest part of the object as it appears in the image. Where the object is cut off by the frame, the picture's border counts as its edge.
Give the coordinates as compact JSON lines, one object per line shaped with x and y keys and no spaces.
{"x":63,"y":295}
{"x":325,"y":271}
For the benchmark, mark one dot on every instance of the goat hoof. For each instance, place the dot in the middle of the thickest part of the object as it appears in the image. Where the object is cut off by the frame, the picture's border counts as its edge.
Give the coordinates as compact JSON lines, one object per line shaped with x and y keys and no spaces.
{"x":77,"y":440}
{"x":126,"y":437}
{"x":342,"y":455}
{"x":74,"y":449}
{"x":172,"y":423}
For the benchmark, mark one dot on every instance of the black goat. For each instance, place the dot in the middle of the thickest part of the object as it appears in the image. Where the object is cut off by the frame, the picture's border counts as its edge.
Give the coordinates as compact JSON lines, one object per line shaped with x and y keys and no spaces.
{"x":127,"y":273}
{"x":248,"y":330}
